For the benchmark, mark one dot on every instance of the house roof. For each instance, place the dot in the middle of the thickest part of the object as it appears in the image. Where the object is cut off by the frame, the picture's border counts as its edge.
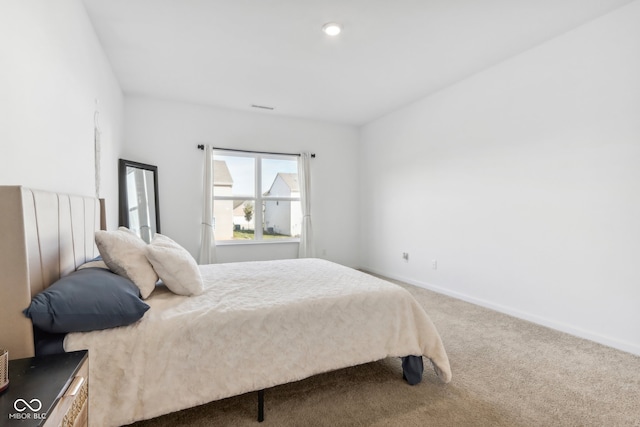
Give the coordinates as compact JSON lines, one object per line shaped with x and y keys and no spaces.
{"x":290,"y":179}
{"x":221,"y":175}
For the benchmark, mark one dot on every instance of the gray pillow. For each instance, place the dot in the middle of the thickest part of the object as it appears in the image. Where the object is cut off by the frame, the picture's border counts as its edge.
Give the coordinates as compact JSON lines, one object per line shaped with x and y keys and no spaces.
{"x":87,"y":300}
{"x":97,"y":262}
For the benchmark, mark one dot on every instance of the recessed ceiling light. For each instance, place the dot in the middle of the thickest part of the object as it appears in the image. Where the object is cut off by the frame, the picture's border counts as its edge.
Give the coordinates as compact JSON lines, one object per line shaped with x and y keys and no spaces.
{"x":331,"y":29}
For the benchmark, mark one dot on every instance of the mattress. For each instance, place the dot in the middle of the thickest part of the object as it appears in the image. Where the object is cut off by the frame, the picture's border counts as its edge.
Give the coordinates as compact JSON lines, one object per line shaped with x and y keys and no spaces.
{"x":256,"y":325}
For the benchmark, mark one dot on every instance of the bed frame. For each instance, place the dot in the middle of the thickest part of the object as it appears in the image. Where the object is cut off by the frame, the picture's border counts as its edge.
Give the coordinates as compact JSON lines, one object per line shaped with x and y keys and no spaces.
{"x":43,"y":236}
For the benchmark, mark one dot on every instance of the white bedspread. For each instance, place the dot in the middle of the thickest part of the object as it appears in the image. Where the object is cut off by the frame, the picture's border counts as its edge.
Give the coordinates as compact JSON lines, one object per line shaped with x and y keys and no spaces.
{"x":257,"y":325}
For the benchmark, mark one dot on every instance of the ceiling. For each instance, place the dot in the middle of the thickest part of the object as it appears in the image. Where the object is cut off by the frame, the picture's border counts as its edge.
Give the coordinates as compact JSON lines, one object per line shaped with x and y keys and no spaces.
{"x":239,"y":53}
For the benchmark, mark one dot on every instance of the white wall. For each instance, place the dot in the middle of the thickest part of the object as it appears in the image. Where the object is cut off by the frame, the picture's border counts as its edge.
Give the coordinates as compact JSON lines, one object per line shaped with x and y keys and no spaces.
{"x":166,"y":134}
{"x":52,"y":69}
{"x":523,"y":182}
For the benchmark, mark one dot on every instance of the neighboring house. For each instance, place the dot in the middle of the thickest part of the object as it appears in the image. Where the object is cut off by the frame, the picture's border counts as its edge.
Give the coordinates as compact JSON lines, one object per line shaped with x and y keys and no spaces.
{"x":283,"y":216}
{"x":239,"y":220}
{"x":222,"y":209}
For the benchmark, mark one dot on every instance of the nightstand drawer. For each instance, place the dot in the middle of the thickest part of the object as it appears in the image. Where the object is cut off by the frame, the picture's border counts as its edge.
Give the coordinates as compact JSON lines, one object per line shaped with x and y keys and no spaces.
{"x":72,"y":408}
{"x":44,"y":389}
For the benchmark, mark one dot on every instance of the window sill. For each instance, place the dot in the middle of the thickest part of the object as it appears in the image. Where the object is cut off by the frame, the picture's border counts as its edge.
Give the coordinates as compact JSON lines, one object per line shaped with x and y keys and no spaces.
{"x":255,"y":242}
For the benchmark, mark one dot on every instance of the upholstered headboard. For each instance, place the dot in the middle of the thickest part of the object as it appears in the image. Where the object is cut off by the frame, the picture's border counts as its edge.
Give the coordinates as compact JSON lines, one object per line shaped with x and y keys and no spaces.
{"x":43,"y":236}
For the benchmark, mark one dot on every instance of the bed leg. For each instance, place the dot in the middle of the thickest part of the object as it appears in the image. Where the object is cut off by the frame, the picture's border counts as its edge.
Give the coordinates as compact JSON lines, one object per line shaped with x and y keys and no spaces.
{"x":260,"y":406}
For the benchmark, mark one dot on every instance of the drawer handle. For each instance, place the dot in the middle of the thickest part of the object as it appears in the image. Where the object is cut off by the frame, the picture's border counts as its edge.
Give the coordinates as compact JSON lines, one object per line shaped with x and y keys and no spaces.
{"x":79,"y":402}
{"x":75,"y":386}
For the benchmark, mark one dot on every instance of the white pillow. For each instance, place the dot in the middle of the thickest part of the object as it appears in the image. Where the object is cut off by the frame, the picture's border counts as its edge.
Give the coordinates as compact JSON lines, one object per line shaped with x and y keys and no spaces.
{"x":175,"y":266}
{"x":124,"y":253}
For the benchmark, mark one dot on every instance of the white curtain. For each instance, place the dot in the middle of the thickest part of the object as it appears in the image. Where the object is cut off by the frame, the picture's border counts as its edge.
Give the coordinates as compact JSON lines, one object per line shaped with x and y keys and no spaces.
{"x":207,"y":237}
{"x":306,"y":249}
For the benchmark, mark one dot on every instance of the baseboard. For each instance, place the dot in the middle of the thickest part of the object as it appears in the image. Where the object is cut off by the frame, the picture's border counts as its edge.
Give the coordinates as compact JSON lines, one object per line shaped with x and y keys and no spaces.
{"x":550,"y":323}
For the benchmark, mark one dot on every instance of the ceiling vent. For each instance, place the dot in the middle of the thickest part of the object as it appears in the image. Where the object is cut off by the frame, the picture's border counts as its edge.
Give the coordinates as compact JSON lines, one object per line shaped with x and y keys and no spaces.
{"x":263,"y":107}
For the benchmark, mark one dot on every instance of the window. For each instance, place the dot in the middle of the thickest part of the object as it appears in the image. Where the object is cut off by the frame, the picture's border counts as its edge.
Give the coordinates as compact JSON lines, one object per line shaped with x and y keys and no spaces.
{"x":256,"y":197}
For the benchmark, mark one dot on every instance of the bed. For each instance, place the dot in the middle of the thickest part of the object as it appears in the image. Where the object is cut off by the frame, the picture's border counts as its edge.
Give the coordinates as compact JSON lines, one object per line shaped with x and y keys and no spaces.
{"x":255,"y":325}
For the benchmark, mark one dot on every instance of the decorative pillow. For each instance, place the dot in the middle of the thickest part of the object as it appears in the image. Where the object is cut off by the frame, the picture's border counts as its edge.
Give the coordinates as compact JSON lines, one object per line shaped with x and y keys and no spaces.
{"x":124,"y":253}
{"x":86,"y":300}
{"x":175,"y":266}
{"x":97,"y":262}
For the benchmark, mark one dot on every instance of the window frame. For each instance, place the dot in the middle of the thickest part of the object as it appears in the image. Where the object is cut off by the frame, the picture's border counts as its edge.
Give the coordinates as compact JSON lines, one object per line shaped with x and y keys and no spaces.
{"x":258,"y":198}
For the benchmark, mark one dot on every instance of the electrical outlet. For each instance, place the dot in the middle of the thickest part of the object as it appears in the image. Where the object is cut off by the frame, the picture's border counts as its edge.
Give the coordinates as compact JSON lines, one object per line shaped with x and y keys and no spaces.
{"x":405,"y":256}
{"x":434,"y":264}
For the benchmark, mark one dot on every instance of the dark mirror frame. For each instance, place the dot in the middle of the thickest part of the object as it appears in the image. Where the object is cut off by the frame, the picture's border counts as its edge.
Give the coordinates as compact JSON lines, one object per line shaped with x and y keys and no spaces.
{"x":122,"y":189}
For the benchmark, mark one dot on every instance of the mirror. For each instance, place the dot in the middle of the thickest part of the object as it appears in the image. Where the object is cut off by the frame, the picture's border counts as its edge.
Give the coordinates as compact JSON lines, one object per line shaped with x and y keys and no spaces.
{"x":139,"y":207}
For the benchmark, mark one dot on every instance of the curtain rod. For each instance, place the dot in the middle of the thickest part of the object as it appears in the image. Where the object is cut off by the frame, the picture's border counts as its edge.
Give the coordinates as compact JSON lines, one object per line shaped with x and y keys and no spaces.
{"x":201,"y":147}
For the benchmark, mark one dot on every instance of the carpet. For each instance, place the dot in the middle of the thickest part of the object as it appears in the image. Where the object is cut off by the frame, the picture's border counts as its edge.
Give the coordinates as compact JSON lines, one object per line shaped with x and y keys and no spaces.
{"x":506,"y":372}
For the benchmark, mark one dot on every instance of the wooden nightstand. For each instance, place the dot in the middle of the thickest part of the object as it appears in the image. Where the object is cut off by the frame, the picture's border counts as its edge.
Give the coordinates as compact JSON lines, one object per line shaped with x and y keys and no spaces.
{"x":48,"y":391}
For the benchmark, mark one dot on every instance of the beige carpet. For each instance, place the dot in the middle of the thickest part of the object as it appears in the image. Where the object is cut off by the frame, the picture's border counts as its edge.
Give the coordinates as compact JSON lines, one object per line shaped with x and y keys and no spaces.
{"x":506,"y":372}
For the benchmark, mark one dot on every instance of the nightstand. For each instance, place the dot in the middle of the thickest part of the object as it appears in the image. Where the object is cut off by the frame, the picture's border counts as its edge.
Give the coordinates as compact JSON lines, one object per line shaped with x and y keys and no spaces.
{"x":48,"y":391}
